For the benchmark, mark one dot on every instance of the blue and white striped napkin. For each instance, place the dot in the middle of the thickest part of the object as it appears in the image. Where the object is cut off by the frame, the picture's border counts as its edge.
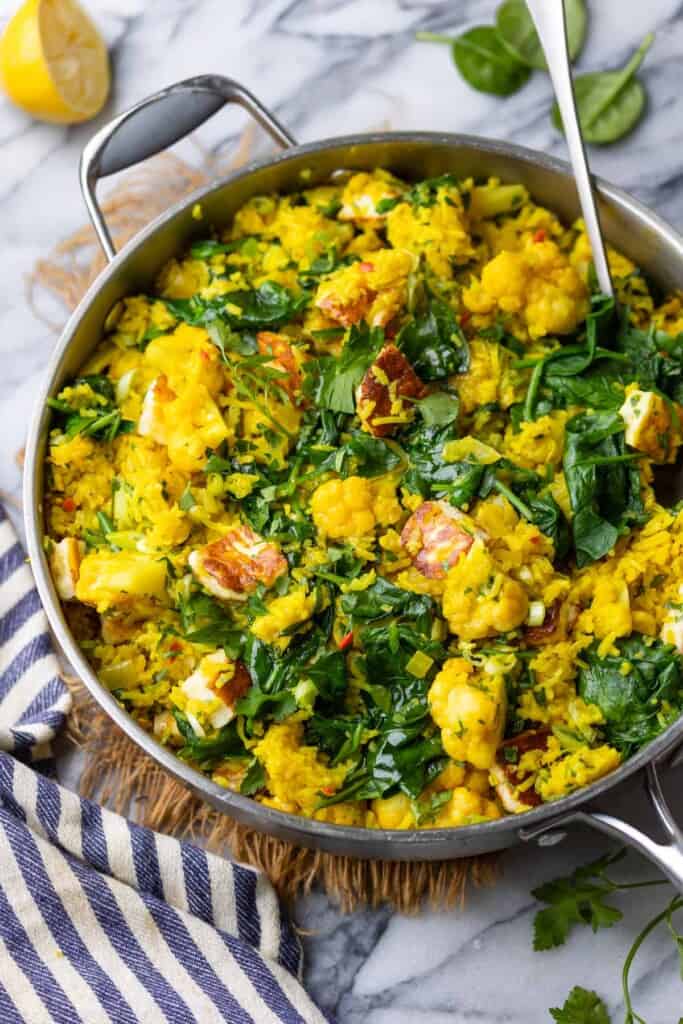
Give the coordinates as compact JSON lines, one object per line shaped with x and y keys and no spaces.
{"x":102,"y":920}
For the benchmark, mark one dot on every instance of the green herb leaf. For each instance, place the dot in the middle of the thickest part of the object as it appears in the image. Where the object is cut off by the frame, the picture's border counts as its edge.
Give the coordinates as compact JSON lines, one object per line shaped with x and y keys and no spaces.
{"x":581,"y":1006}
{"x":338,"y":378}
{"x":637,"y":704}
{"x":518,"y":34}
{"x":384,"y":598}
{"x":207,"y":751}
{"x":486,"y":64}
{"x":254,"y":780}
{"x":206,"y":249}
{"x":269,"y":305}
{"x":576,"y":899}
{"x":371,"y":456}
{"x":603,"y":483}
{"x":186,"y":500}
{"x":439,"y":409}
{"x":433,"y":343}
{"x":609,"y":103}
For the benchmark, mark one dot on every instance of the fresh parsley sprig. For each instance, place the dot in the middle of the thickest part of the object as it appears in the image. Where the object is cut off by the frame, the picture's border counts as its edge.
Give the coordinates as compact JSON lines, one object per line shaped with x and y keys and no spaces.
{"x":580,"y":898}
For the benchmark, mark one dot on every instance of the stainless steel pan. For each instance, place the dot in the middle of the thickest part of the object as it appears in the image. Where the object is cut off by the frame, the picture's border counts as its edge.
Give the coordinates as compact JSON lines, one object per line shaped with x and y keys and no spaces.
{"x":158,"y":122}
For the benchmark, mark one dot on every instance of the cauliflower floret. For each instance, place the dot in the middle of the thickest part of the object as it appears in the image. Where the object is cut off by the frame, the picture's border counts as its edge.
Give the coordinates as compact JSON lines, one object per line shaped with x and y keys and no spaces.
{"x":436,"y":536}
{"x":465,"y":807}
{"x":489,"y":378}
{"x":650,"y":425}
{"x":438,"y":231}
{"x":304,"y":232}
{"x":344,"y":508}
{"x":65,"y":561}
{"x":537,"y":443}
{"x":363,"y":192}
{"x":232,"y":567}
{"x":181,"y":279}
{"x":374,"y":289}
{"x":469,"y":707}
{"x":611,"y":608}
{"x":479,"y":600}
{"x":195,"y":423}
{"x":576,"y":770}
{"x":394,"y":811}
{"x":113,"y":579}
{"x":256,"y":216}
{"x":537,"y":283}
{"x":296,"y":775}
{"x":186,"y":357}
{"x":283,"y":613}
{"x":381,"y":399}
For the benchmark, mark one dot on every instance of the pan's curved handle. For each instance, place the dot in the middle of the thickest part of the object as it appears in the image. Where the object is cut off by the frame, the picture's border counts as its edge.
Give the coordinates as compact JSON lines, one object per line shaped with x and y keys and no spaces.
{"x":667,"y":855}
{"x":156,"y":123}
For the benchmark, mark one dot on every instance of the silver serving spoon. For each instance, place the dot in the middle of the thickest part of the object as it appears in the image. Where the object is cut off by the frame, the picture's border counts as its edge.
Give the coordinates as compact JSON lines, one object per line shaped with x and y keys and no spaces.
{"x":549,"y":18}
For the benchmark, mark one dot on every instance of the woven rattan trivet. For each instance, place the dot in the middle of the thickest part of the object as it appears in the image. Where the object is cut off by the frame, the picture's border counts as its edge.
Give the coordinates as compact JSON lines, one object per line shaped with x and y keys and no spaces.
{"x":117,"y":773}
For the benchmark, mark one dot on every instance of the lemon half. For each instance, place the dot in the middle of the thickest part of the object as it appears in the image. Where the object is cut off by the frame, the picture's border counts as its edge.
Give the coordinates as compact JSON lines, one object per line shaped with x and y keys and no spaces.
{"x":53,"y":62}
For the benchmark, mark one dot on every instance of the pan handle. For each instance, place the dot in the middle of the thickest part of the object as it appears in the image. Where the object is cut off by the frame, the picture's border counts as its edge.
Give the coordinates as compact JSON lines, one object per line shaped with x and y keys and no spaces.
{"x":667,"y":855}
{"x":156,"y":123}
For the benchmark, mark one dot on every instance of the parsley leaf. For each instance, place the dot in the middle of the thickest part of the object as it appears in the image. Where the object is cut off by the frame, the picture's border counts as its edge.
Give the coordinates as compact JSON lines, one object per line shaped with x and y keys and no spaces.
{"x":581,"y":1006}
{"x":577,"y":899}
{"x":338,"y":377}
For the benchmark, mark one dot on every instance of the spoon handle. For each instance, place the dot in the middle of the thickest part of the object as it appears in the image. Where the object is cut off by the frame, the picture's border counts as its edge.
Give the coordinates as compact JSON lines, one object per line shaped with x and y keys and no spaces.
{"x":549,"y":18}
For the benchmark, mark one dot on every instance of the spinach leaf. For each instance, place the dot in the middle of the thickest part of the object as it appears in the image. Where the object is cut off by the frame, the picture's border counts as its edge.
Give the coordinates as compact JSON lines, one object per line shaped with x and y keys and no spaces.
{"x":603,"y":484}
{"x":328,"y":672}
{"x":400,"y":758}
{"x":254,"y":780}
{"x":332,"y":381}
{"x":340,"y":737}
{"x":204,"y":621}
{"x":483,"y":60}
{"x":207,"y":248}
{"x":433,"y":342}
{"x":274,"y":675}
{"x":370,"y":456}
{"x":429,"y":474}
{"x":439,"y":409}
{"x":208,"y":751}
{"x":383,"y":598}
{"x":610,"y":103}
{"x":639,"y":704}
{"x":593,"y":390}
{"x":547,"y":515}
{"x":326,"y":263}
{"x":517,"y":32}
{"x":269,"y":305}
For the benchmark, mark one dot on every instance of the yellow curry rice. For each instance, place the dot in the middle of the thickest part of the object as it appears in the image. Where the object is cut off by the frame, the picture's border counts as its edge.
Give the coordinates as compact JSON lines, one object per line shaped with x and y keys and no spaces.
{"x":356,"y":511}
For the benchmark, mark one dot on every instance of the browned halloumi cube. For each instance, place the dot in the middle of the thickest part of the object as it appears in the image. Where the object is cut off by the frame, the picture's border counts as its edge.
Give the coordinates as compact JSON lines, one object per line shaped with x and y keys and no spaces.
{"x":386,"y":395}
{"x":436,"y":536}
{"x":232,"y":567}
{"x":517,"y":794}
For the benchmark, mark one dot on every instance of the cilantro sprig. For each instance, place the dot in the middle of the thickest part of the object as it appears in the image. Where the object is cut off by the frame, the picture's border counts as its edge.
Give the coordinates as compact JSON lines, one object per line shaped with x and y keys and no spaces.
{"x":580,"y":898}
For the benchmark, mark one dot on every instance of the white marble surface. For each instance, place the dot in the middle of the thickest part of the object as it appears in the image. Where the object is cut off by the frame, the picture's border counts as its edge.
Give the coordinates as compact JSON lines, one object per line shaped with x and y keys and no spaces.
{"x":329,"y":67}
